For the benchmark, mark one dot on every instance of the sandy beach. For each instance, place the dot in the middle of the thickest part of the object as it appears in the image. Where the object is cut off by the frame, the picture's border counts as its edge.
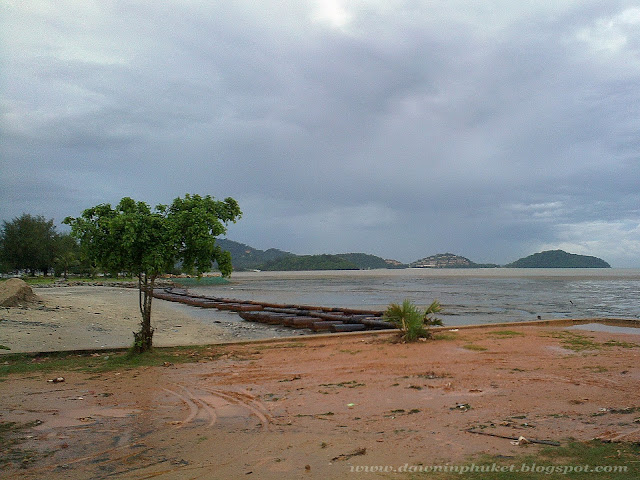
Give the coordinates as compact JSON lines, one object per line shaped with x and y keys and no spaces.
{"x":314,"y":406}
{"x":95,"y":317}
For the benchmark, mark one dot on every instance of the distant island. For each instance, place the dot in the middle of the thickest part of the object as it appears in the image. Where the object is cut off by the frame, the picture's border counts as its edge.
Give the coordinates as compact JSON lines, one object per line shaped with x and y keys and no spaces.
{"x":448,"y":260}
{"x":558,"y":259}
{"x":246,"y":258}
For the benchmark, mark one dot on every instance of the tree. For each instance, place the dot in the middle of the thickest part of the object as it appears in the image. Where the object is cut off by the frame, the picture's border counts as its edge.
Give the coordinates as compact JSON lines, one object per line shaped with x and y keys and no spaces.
{"x":28,"y":243}
{"x":148,"y":243}
{"x":67,"y":254}
{"x":412,"y":322}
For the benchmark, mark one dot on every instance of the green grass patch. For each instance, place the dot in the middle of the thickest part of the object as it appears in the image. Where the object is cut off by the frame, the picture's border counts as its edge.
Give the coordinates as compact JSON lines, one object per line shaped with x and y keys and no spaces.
{"x":617,"y":461}
{"x":445,"y":336}
{"x":60,"y":362}
{"x":580,"y":343}
{"x":575,"y":341}
{"x":616,"y":343}
{"x":475,"y":348}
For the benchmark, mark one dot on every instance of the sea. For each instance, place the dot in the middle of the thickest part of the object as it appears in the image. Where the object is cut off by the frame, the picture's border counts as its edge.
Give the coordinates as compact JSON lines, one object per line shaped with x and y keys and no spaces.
{"x":468,"y":296}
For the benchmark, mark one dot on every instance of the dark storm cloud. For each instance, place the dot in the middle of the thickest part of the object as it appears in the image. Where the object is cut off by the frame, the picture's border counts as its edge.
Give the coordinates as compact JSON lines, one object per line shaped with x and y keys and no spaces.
{"x":402,"y":129}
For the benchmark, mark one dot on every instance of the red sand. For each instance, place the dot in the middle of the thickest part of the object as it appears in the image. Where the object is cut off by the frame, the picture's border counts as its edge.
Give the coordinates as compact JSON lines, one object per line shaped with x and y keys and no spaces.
{"x":319,"y":407}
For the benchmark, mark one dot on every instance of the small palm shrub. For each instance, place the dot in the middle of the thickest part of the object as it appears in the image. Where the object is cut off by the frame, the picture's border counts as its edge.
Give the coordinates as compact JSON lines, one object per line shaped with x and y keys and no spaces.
{"x":412,"y":322}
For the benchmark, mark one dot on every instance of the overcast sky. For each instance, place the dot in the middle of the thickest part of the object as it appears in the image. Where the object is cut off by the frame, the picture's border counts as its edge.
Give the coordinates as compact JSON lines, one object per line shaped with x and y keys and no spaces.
{"x":490,"y":129}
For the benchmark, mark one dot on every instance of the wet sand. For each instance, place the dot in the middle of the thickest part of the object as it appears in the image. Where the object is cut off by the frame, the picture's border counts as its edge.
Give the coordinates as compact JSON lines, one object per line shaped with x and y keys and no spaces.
{"x":323,"y":407}
{"x":95,"y":317}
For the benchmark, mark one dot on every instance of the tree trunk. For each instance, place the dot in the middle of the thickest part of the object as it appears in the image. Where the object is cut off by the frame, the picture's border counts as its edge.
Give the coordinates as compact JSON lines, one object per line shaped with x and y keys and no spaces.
{"x":143,"y":338}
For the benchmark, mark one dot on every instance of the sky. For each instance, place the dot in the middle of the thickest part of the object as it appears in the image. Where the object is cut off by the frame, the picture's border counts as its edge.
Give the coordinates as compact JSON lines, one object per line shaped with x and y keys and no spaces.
{"x":491,"y":129}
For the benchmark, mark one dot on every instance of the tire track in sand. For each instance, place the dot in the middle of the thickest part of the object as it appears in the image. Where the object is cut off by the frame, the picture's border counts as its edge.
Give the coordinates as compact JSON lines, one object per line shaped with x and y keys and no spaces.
{"x":205,"y":401}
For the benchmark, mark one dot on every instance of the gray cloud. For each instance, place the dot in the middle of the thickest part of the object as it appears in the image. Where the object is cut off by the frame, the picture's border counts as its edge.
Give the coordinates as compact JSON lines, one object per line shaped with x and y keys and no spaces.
{"x":396,"y":128}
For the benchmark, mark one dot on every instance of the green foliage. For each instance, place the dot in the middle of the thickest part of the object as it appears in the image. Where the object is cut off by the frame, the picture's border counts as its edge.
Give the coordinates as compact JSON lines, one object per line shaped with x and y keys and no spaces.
{"x":412,"y":322}
{"x":28,"y":243}
{"x":194,"y":223}
{"x":134,"y":238}
{"x":67,"y":256}
{"x":558,"y":259}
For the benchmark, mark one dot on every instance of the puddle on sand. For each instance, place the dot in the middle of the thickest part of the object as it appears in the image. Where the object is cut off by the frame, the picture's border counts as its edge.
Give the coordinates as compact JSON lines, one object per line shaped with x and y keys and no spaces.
{"x":84,"y":416}
{"x":602,"y":327}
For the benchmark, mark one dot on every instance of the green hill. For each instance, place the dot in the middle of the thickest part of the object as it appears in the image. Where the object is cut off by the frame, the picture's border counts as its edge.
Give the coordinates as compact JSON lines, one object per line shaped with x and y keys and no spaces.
{"x":558,"y":259}
{"x":244,"y":257}
{"x":365,"y":261}
{"x":309,"y":262}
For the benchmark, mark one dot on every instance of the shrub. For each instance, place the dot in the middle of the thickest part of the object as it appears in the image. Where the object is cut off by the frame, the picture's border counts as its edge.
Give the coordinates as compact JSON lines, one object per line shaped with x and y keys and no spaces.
{"x":412,"y":322}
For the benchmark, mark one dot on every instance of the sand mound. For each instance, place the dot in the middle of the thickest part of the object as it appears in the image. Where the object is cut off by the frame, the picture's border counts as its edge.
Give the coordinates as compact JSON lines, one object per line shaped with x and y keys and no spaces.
{"x":14,"y":292}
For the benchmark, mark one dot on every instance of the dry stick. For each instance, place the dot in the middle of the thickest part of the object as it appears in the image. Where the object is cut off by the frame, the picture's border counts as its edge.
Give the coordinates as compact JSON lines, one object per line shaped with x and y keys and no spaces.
{"x":347,"y":456}
{"x":542,"y":442}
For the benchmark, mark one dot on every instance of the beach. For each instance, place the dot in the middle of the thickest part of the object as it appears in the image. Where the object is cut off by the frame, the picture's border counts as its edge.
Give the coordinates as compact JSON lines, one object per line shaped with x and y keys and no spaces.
{"x":315,"y":406}
{"x":97,"y":317}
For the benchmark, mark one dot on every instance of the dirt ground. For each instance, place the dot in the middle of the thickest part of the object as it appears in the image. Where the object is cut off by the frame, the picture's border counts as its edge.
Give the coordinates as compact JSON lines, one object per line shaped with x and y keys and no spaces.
{"x":319,"y":407}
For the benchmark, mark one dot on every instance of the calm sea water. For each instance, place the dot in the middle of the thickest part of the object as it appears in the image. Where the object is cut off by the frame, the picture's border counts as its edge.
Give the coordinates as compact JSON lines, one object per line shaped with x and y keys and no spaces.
{"x":469,"y":296}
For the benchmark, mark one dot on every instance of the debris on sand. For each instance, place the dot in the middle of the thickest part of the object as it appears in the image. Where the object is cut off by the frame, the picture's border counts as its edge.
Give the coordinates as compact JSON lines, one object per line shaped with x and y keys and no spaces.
{"x":347,"y":456}
{"x":520,"y":441}
{"x":516,"y":440}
